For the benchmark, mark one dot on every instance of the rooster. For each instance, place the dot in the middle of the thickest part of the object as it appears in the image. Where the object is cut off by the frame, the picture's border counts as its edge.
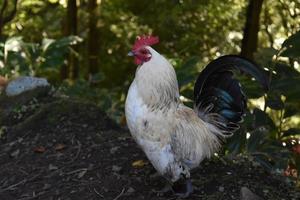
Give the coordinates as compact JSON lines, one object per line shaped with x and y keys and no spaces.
{"x":174,"y":137}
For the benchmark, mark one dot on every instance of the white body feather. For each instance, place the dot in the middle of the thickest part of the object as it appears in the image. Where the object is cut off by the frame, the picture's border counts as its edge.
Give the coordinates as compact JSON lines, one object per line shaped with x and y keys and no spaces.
{"x":173,"y":137}
{"x":137,"y":113}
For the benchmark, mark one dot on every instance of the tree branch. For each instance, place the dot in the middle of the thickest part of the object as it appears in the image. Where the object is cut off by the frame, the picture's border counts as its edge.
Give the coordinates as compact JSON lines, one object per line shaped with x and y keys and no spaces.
{"x":4,"y":5}
{"x":267,"y":20}
{"x":286,"y":7}
{"x":251,"y":29}
{"x":11,"y":15}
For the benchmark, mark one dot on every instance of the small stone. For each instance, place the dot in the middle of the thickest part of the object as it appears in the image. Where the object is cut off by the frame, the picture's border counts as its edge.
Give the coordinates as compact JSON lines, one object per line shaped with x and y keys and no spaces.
{"x":23,"y":84}
{"x":265,"y":191}
{"x":47,"y":186}
{"x":90,"y":167}
{"x":116,"y":168}
{"x":247,"y":194}
{"x":82,"y":173}
{"x":113,"y":150}
{"x":221,"y":189}
{"x":52,"y":167}
{"x":15,"y":153}
{"x":60,"y":147}
{"x":130,"y":190}
{"x":39,"y":149}
{"x":139,"y":163}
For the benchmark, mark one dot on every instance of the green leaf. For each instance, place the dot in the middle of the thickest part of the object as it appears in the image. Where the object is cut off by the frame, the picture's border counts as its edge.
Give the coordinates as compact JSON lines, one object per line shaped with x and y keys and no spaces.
{"x":251,"y":88}
{"x":262,"y":119}
{"x":274,"y":102}
{"x":291,"y":46}
{"x":187,"y":72}
{"x":96,"y":78}
{"x":285,"y":70}
{"x":286,"y":86}
{"x":66,"y":41}
{"x":264,"y":161}
{"x":46,"y":43}
{"x":290,"y":110}
{"x":291,"y":52}
{"x":291,"y":132}
{"x":13,"y":44}
{"x":236,"y":143}
{"x":256,"y":138}
{"x":292,"y":40}
{"x":55,"y":51}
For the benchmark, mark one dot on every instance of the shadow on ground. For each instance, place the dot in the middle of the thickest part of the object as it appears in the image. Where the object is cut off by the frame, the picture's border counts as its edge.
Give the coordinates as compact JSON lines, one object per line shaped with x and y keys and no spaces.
{"x":64,"y":149}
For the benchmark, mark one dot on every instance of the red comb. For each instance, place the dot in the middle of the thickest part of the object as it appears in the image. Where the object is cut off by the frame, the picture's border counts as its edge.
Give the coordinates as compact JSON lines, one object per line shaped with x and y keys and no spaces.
{"x":145,"y":40}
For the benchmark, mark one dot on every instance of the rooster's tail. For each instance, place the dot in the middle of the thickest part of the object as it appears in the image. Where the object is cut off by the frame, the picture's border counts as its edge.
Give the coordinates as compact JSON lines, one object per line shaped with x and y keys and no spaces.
{"x":219,"y":98}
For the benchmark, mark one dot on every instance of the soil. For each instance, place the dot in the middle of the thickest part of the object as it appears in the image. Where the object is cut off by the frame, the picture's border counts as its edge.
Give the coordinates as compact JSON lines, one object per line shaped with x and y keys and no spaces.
{"x":55,"y":148}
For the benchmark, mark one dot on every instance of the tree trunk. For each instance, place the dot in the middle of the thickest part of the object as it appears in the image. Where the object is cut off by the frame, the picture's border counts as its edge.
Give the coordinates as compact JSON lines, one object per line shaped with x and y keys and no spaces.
{"x":93,"y":41}
{"x":4,"y":19}
{"x":250,"y":38}
{"x":71,"y":70}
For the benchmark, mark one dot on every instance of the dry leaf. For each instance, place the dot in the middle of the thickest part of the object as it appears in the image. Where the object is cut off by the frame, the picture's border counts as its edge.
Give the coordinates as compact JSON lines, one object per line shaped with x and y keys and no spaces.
{"x":60,"y":147}
{"x":123,"y":120}
{"x":15,"y":153}
{"x":39,"y":149}
{"x":82,"y":173}
{"x":3,"y":81}
{"x":52,"y":167}
{"x":296,"y":148}
{"x":139,"y":163}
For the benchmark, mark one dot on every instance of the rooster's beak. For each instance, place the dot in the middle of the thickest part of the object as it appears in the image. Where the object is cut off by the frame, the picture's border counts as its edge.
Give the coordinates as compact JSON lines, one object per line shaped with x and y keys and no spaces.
{"x":130,"y":53}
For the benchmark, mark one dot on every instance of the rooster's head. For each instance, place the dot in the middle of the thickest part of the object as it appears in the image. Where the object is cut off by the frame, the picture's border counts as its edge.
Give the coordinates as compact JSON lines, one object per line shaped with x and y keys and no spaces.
{"x":141,"y":49}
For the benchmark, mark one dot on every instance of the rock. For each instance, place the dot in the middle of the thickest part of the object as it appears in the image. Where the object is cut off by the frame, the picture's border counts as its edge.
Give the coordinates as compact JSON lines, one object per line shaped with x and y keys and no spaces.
{"x":116,"y":168}
{"x":247,"y":194}
{"x":46,"y":186}
{"x":52,"y":167}
{"x":20,"y":92}
{"x":15,"y":154}
{"x":130,"y":190}
{"x":3,"y":83}
{"x":221,"y":189}
{"x":23,"y":84}
{"x":82,"y":173}
{"x":114,"y":149}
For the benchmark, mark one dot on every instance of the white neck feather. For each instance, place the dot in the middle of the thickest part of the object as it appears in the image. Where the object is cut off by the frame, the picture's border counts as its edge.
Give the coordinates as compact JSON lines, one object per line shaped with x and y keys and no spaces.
{"x":157,"y":83}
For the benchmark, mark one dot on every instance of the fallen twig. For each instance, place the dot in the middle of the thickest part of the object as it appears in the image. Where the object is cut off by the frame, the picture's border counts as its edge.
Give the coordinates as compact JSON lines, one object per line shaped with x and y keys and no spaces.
{"x":77,"y":153}
{"x":122,"y":192}
{"x":14,"y":185}
{"x":98,"y":193}
{"x":75,"y":171}
{"x":19,"y":183}
{"x":34,"y":196}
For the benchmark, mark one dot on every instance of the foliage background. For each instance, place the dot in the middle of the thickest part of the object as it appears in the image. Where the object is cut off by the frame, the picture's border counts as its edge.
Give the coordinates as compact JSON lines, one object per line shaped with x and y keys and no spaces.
{"x":40,"y":41}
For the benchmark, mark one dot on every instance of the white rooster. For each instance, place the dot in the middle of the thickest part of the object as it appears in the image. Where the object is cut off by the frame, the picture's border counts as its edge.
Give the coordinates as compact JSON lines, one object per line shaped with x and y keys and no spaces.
{"x":174,"y":137}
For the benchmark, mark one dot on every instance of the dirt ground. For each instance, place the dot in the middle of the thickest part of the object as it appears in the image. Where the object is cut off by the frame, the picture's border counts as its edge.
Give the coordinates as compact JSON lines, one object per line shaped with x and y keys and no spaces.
{"x":64,"y":149}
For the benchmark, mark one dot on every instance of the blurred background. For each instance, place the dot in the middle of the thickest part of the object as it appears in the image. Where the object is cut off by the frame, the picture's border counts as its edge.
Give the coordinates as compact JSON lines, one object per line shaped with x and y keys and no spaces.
{"x":81,"y":47}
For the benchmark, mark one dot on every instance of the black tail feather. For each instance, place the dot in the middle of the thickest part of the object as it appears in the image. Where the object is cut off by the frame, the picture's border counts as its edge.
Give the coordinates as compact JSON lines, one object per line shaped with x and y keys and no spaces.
{"x":216,"y":91}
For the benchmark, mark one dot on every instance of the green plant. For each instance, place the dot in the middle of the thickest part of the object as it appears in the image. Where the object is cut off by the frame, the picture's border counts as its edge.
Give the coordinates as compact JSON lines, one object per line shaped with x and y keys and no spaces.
{"x":19,"y":57}
{"x":109,"y":100}
{"x":271,"y":133}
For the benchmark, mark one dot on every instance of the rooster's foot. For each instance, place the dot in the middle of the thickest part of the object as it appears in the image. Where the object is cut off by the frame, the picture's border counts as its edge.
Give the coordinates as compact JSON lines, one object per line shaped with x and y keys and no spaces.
{"x":167,"y":189}
{"x":183,"y":191}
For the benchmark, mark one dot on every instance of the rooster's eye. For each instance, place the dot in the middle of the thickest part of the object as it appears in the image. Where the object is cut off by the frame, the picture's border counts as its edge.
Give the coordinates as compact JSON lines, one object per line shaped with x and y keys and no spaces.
{"x":144,"y":51}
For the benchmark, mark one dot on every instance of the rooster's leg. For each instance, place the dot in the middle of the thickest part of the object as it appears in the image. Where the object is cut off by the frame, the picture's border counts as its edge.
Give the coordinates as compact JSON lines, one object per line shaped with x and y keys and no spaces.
{"x":185,"y":190}
{"x":167,"y":189}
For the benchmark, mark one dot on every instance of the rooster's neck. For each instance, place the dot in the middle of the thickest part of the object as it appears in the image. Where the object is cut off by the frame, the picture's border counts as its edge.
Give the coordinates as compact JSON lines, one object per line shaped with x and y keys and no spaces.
{"x":157,"y":83}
